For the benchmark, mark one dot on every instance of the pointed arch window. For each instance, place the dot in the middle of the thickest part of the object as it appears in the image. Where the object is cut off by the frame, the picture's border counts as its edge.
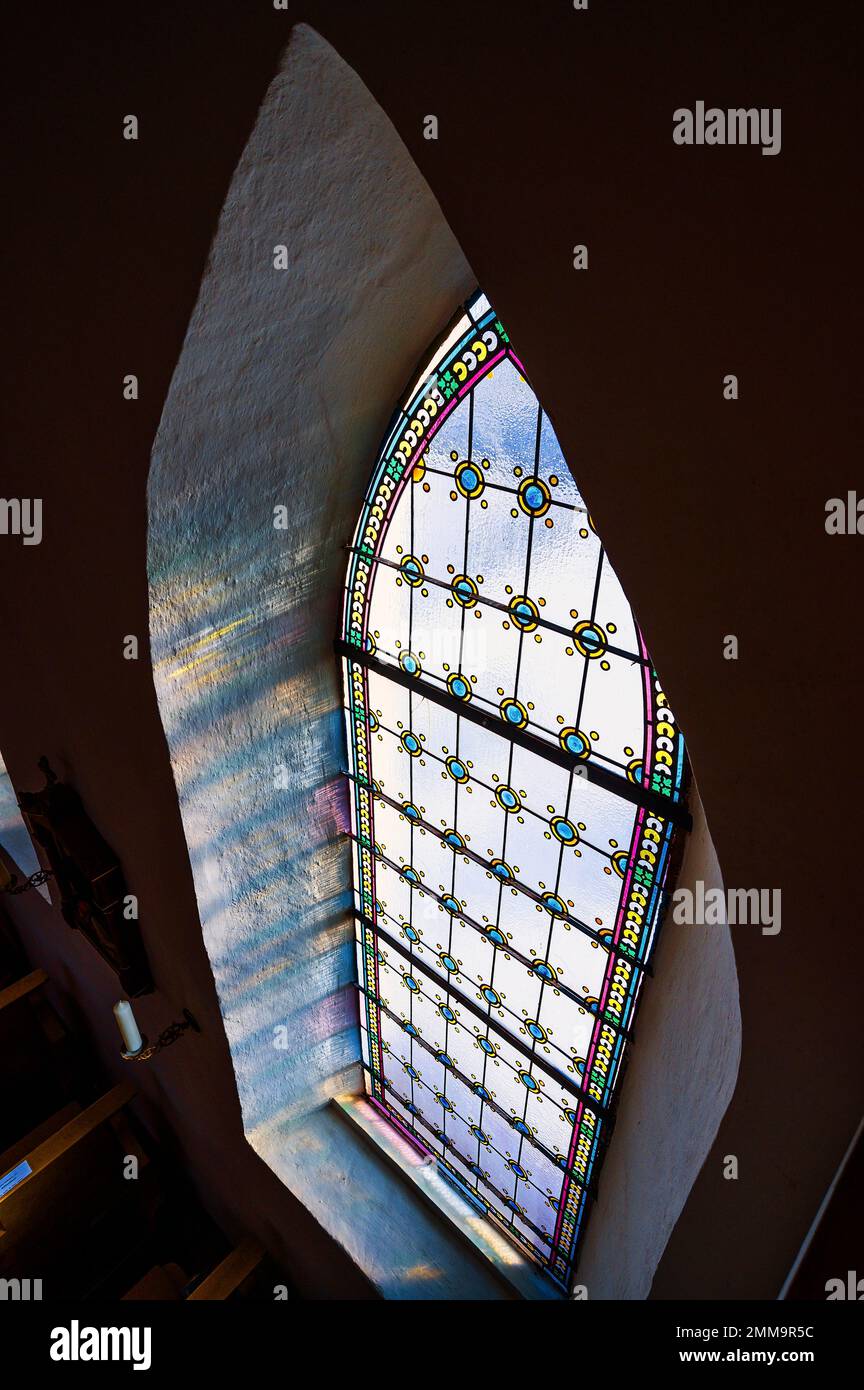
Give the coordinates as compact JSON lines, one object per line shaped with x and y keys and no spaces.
{"x":517,"y":784}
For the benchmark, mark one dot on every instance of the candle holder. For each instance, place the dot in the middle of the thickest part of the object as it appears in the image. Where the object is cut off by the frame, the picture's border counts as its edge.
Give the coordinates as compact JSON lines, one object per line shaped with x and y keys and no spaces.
{"x":168,"y":1036}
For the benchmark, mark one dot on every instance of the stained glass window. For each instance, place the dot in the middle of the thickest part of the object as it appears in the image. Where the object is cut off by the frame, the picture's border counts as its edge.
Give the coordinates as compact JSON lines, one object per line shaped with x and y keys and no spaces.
{"x":517,"y":785}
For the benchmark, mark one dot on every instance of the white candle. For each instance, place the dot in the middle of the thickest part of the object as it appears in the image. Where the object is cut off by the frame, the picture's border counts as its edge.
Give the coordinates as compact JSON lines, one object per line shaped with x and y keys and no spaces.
{"x":127,"y":1025}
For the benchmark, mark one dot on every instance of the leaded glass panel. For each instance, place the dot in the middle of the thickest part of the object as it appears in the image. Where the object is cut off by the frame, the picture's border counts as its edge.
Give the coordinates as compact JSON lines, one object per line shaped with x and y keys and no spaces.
{"x":517,"y":784}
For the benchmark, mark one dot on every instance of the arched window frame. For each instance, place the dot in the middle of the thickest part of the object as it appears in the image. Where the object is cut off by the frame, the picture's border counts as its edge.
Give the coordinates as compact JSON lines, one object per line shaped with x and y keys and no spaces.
{"x":467,"y":352}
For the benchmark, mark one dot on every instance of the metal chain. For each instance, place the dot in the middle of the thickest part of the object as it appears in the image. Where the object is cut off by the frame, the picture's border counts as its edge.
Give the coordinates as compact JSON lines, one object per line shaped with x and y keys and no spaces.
{"x":34,"y":881}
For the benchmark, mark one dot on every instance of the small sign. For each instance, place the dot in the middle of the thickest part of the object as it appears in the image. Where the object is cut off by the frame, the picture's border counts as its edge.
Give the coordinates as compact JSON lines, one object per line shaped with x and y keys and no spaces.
{"x":11,"y":1179}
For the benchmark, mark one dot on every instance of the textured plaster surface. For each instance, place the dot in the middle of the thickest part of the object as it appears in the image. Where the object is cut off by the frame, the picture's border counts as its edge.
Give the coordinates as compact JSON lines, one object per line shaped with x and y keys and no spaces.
{"x":680,"y":1078}
{"x":283,"y":390}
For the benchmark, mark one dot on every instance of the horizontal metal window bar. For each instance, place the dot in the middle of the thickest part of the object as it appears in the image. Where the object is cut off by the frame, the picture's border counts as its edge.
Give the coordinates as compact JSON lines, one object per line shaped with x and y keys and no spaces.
{"x":484,"y":931}
{"x":602,"y":1113}
{"x":509,"y":950}
{"x":660,"y":805}
{"x":483,"y":712}
{"x":503,"y":1197}
{"x":584,"y":1004}
{"x":483,"y":708}
{"x":566,"y":1082}
{"x":539,"y":621}
{"x":478,"y":782}
{"x":387,"y":931}
{"x":505,"y":882}
{"x":492,"y":1104}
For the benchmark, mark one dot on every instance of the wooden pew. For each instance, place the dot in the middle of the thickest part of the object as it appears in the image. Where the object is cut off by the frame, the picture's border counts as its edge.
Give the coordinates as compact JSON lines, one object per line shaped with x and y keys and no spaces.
{"x":226,"y":1278}
{"x":166,"y":1282}
{"x":19,"y":988}
{"x":32,"y":1089}
{"x":161,"y":1284}
{"x":41,"y":1066}
{"x":11,"y":1157}
{"x":72,"y":1218}
{"x":13,"y":960}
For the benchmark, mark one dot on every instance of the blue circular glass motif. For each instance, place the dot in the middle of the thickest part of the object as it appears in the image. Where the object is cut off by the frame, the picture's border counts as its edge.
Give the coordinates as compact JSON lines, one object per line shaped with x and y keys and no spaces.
{"x":554,"y":904}
{"x":534,"y":496}
{"x":513,"y":713}
{"x":464,"y":590}
{"x":459,"y":686}
{"x":543,"y":969}
{"x":410,"y":664}
{"x":469,"y":479}
{"x":590,"y":639}
{"x":564,"y":830}
{"x":506,"y":797}
{"x":412,"y":570}
{"x":572,"y":741}
{"x":524,"y":612}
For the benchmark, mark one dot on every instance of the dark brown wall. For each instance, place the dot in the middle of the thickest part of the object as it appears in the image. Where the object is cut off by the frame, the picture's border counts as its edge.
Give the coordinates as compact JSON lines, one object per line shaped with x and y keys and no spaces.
{"x":555,"y":128}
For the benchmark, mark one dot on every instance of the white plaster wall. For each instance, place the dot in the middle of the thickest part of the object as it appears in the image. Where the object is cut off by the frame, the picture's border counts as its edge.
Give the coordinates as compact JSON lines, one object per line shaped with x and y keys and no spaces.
{"x":283,"y":390}
{"x":679,"y":1081}
{"x":282,"y":393}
